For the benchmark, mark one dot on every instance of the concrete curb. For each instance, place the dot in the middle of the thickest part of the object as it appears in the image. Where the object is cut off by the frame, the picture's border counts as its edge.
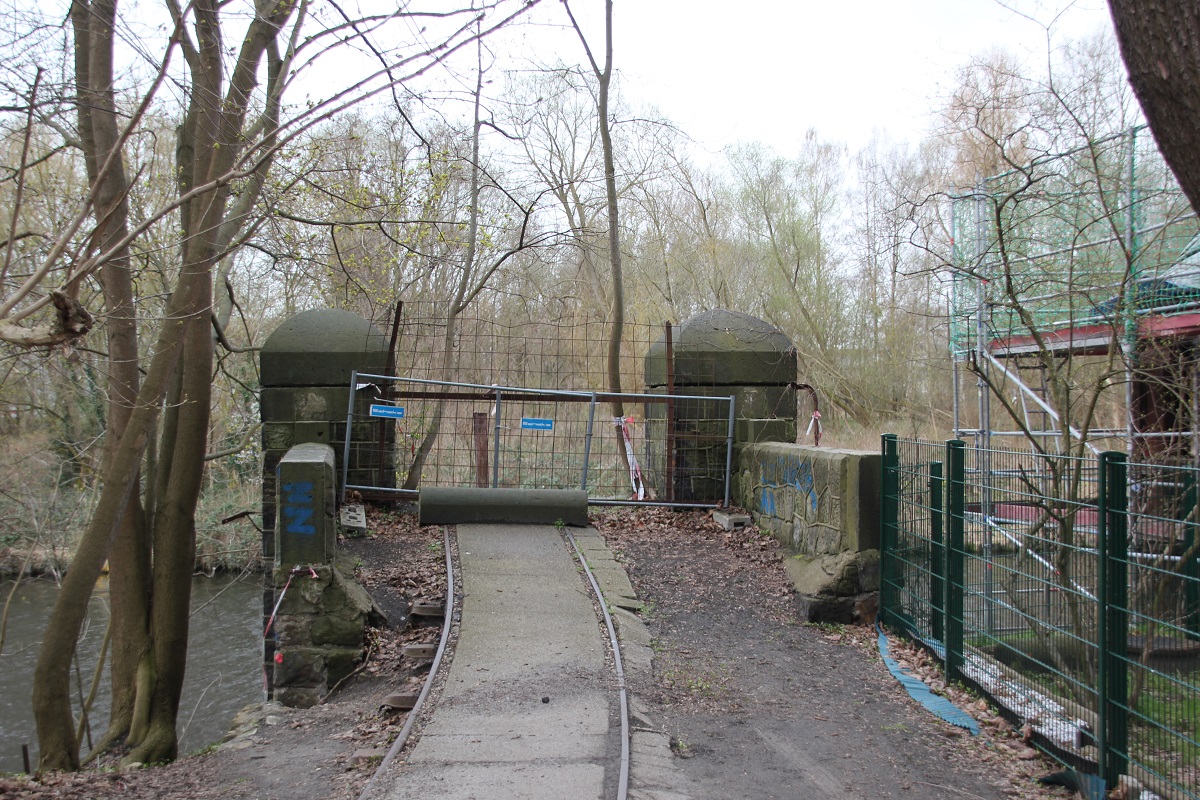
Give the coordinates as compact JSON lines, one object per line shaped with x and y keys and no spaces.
{"x":653,"y":772}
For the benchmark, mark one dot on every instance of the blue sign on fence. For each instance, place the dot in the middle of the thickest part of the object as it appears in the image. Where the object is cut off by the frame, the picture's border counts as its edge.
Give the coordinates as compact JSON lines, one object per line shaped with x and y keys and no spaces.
{"x":536,"y":424}
{"x":390,"y":412}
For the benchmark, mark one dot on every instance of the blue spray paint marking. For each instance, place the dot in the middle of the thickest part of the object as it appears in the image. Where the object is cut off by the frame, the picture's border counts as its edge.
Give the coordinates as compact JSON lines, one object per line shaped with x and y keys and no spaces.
{"x":767,"y":503}
{"x":298,"y":508}
{"x":785,"y":472}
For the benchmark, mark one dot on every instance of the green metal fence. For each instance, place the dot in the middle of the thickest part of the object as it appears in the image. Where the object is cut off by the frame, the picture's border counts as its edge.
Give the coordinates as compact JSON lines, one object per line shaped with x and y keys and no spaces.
{"x":1066,"y":589}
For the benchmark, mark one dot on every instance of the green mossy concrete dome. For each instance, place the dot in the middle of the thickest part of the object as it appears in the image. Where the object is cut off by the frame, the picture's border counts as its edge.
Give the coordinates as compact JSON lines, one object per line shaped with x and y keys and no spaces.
{"x":722,"y":347}
{"x":320,"y":348}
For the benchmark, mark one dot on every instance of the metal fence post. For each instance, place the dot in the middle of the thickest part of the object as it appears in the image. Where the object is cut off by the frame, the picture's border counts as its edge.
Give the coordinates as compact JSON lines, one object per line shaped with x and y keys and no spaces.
{"x":1112,"y":738}
{"x":937,"y":552}
{"x":955,"y":557}
{"x":1190,"y":568}
{"x":479,"y":434}
{"x":729,"y":448}
{"x":496,"y":455}
{"x":349,"y":435}
{"x":889,"y":513}
{"x":1191,"y":585}
{"x":587,"y":442}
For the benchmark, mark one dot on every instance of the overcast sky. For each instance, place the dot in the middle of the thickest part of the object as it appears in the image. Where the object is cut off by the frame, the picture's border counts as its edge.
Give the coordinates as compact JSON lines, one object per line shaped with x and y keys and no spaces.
{"x":768,"y":70}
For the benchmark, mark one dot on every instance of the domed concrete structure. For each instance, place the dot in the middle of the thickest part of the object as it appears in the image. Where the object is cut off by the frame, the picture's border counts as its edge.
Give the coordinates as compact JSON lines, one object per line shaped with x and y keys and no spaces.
{"x":725,"y":348}
{"x":718,"y":353}
{"x":320,"y":348}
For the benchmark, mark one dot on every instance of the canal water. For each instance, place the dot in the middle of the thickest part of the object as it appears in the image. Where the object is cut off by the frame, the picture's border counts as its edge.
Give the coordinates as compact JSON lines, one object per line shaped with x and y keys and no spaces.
{"x":224,"y":671}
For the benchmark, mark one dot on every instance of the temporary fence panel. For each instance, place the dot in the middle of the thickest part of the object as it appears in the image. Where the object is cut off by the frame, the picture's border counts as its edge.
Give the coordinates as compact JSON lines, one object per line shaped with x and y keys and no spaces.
{"x":468,"y":434}
{"x":1061,"y":588}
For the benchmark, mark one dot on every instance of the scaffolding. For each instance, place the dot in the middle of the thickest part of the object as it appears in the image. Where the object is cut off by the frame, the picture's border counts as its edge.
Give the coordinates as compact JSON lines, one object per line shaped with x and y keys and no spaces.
{"x":1081,"y":265}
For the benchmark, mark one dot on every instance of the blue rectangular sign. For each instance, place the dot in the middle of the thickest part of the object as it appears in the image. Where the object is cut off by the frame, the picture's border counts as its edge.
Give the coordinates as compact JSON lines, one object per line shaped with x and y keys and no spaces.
{"x":390,"y":412}
{"x":536,"y":424}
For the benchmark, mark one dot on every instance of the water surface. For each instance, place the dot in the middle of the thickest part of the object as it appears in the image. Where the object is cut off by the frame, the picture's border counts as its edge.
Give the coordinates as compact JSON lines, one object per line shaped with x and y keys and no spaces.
{"x":224,"y":671}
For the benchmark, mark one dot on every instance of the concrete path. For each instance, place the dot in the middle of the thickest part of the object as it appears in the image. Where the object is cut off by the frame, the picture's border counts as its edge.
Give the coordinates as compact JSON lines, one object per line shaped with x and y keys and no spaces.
{"x":529,"y":707}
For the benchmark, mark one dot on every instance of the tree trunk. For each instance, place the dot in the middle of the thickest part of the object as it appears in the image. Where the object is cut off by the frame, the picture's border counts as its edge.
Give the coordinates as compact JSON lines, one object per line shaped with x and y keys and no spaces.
{"x":174,"y":535}
{"x":617,"y":331}
{"x":129,"y":562}
{"x":51,"y":680}
{"x":459,"y":303}
{"x":185,"y":328}
{"x":1160,"y":42}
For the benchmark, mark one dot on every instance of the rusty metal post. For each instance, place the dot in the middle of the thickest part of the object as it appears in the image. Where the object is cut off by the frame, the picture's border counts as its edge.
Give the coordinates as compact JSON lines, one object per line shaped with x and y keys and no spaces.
{"x":479,"y":428}
{"x":385,"y":465}
{"x":670,"y":355}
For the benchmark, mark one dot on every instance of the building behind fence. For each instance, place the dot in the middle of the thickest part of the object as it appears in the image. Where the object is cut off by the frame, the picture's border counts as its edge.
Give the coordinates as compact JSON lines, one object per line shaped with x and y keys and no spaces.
{"x":1063,"y":589}
{"x":1078,"y":273}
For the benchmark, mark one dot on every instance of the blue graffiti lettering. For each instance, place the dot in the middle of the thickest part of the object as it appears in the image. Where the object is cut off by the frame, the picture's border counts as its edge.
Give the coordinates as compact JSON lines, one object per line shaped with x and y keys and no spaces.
{"x":766,"y":503}
{"x":783,"y":472}
{"x":299,"y":492}
{"x":297,"y":519}
{"x":299,"y":510}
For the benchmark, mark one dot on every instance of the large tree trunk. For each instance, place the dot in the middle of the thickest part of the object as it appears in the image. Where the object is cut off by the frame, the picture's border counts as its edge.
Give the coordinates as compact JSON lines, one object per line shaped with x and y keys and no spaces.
{"x":100,"y":134}
{"x":209,"y":145}
{"x":1160,"y":42}
{"x":174,"y":537}
{"x":51,"y":680}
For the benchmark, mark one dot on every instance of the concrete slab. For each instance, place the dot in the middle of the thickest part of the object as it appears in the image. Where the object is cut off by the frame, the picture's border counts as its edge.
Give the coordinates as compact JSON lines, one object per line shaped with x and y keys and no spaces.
{"x":487,"y":716}
{"x":353,"y":518}
{"x":730,"y":521}
{"x":528,"y":632}
{"x":614,"y":582}
{"x":550,"y":780}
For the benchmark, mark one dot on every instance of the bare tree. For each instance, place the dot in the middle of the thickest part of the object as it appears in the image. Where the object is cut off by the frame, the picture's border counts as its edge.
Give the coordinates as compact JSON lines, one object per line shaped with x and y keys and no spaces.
{"x":604,"y":76}
{"x":232,"y":126}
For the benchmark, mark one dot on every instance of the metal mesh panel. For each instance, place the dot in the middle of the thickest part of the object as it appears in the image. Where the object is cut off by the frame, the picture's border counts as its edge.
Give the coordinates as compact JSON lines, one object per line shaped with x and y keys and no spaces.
{"x":1094,"y":236}
{"x":458,"y":434}
{"x":1067,"y":589}
{"x":539,"y":350}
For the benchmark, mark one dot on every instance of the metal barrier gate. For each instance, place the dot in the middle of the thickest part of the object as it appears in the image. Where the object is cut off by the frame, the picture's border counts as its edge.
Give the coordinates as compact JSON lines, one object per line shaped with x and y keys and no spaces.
{"x":677,"y":453}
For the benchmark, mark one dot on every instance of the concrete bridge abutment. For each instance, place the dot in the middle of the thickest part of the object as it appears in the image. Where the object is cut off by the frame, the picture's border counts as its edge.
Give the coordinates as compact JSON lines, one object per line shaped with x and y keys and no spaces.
{"x":314,"y":613}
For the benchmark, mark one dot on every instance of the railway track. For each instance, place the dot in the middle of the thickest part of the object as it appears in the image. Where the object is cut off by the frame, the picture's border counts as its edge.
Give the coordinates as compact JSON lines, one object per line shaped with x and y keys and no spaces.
{"x":534,"y":702}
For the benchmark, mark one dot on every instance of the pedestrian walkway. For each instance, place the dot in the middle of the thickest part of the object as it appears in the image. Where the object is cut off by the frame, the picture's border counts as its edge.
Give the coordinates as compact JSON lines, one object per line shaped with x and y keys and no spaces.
{"x":529,"y":707}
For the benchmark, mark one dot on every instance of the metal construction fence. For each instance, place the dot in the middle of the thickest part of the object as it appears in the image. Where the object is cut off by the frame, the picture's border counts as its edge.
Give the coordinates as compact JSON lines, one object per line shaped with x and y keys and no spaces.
{"x":665,"y":449}
{"x":1066,"y":589}
{"x":1096,"y":234}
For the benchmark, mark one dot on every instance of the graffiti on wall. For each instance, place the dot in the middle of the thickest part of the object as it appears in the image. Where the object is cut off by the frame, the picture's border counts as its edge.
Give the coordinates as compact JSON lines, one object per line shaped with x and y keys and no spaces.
{"x":785,"y":474}
{"x":298,"y":508}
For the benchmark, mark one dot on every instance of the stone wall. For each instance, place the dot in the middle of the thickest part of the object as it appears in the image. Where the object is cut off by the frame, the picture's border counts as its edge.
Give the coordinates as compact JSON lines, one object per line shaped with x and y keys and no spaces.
{"x":816,"y":500}
{"x":318,"y":632}
{"x":822,"y":504}
{"x":316,"y":636}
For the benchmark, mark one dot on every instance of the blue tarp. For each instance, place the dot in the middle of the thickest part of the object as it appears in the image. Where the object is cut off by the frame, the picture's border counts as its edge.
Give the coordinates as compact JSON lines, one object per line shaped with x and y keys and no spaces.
{"x":939,"y":705}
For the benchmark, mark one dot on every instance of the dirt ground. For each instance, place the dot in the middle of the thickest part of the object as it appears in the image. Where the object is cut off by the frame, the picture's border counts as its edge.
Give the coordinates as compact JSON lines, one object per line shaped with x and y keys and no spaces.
{"x":757,"y":704}
{"x":762,"y":706}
